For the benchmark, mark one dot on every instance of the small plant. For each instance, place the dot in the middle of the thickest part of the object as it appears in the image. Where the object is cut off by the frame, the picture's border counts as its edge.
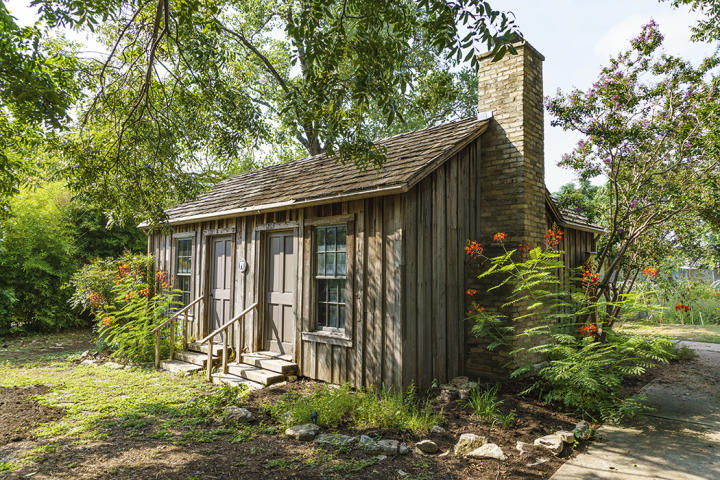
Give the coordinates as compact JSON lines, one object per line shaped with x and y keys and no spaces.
{"x":506,"y":420}
{"x":484,"y":403}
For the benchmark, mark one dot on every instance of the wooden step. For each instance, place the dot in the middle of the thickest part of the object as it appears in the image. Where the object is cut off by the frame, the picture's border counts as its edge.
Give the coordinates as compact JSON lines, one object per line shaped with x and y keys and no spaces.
{"x":196,"y":347}
{"x":196,"y":358}
{"x":251,"y":372}
{"x":230,"y":379}
{"x":178,"y":367}
{"x":270,"y":361}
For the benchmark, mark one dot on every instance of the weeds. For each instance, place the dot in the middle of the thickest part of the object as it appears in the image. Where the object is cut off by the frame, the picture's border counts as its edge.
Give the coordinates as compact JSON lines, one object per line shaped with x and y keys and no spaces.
{"x":484,"y":403}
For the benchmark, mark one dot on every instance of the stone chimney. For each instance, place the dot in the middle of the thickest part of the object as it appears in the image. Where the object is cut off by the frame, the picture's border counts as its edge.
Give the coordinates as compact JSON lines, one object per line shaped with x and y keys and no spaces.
{"x":512,"y":158}
{"x":512,"y":178}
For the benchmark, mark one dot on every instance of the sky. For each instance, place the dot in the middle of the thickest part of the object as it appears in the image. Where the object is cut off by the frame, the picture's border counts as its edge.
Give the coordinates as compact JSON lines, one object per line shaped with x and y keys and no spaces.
{"x":577,"y":37}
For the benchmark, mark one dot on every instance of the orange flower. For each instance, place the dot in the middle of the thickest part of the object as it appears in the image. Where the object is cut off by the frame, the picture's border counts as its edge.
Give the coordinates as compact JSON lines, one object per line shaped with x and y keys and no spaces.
{"x":500,"y":236}
{"x":650,"y":272}
{"x":473,"y":249}
{"x":145,"y":292}
{"x":475,"y":309}
{"x":107,"y":321}
{"x":523,"y":249}
{"x":161,"y":276}
{"x":471,"y":292}
{"x":553,"y":237}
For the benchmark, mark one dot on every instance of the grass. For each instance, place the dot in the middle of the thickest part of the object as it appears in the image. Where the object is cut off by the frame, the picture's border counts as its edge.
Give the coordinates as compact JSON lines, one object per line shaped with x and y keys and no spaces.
{"x":363,"y":409}
{"x":486,"y":406}
{"x":695,"y":333}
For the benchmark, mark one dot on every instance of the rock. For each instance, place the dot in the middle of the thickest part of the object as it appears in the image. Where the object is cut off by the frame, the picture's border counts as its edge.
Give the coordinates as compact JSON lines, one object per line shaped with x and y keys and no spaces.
{"x":380,"y":458}
{"x":489,"y":450}
{"x":469,"y":442}
{"x":304,"y":432}
{"x":459,"y":381}
{"x":334,"y":439}
{"x":403,"y":449}
{"x":233,"y":415}
{"x":291,"y":378}
{"x":388,"y":447}
{"x":565,"y":436}
{"x":538,"y":461}
{"x":437,"y":429}
{"x":553,"y":443}
{"x":114,"y":365}
{"x":88,"y":362}
{"x":85,"y":354}
{"x":582,"y":430}
{"x":520,"y":447}
{"x":427,"y":446}
{"x":381,"y":447}
{"x":402,"y":473}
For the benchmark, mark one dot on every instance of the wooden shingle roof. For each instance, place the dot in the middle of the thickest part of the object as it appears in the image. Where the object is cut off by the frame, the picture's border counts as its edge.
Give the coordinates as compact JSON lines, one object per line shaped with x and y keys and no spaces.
{"x":318,"y":179}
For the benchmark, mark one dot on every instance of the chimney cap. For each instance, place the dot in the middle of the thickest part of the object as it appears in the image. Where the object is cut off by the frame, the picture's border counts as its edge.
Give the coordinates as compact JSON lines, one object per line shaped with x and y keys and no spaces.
{"x":518,"y":45}
{"x":485,"y":115}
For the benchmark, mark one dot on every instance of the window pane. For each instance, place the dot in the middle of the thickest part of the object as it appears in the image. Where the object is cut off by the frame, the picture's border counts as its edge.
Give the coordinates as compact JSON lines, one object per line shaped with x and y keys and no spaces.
{"x":341,"y":287}
{"x":322,"y":290}
{"x":330,"y":264}
{"x":341,"y":317}
{"x":341,"y":264}
{"x":184,"y":246}
{"x":183,"y":265}
{"x":331,"y":239}
{"x":320,"y":267}
{"x":320,"y":239}
{"x":341,"y":238}
{"x":322,"y":316}
{"x":332,"y":315}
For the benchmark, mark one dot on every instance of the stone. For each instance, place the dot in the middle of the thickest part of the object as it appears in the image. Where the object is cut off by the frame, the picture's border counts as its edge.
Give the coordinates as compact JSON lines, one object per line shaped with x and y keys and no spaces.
{"x":521,"y":447}
{"x":582,"y":430}
{"x":427,"y":446}
{"x":489,"y":450}
{"x":334,"y":439}
{"x":437,"y":429}
{"x":380,"y":458}
{"x":459,"y":381}
{"x":552,"y":442}
{"x":304,"y":432}
{"x":114,"y":365}
{"x":469,"y":442}
{"x":381,"y":447}
{"x":538,"y":461}
{"x":388,"y":447}
{"x":85,"y":354}
{"x":403,"y":449}
{"x":565,"y":436}
{"x":234,"y":415}
{"x":291,"y":378}
{"x":88,"y":362}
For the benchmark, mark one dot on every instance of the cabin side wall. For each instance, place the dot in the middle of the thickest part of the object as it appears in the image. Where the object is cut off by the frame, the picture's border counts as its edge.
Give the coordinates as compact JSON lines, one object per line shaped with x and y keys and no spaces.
{"x":371,"y":351}
{"x":441,"y":214}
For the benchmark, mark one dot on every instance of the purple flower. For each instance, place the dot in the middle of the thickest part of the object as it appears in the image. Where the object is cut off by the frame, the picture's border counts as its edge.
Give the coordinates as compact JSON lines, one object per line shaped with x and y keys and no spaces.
{"x":633,"y":204}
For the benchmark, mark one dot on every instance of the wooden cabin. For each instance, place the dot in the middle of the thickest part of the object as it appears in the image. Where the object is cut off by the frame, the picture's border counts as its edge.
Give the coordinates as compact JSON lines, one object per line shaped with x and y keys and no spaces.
{"x":360,"y":276}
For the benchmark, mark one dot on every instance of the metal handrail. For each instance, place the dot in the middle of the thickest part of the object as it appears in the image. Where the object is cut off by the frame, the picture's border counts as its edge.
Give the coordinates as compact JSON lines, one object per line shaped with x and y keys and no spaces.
{"x":183,"y":311}
{"x":218,"y":331}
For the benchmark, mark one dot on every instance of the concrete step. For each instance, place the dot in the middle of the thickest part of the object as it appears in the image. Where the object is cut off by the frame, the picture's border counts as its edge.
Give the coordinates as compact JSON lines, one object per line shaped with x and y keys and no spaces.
{"x":270,"y":361}
{"x":230,"y":379}
{"x":196,"y":347}
{"x":196,"y":358}
{"x":256,"y":374}
{"x":178,"y":367}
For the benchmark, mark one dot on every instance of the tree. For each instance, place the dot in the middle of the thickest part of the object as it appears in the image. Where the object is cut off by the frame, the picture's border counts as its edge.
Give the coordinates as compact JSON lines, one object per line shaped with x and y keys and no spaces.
{"x":708,"y":27}
{"x":585,"y":199}
{"x":652,"y":128}
{"x":191,"y":87}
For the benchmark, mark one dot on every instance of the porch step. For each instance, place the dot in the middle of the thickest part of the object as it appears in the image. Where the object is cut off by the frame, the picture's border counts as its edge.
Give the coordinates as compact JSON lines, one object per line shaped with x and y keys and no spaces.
{"x":178,"y":367}
{"x":230,"y":379}
{"x":196,"y":358}
{"x":256,"y":374}
{"x":196,"y":347}
{"x":273,"y":362}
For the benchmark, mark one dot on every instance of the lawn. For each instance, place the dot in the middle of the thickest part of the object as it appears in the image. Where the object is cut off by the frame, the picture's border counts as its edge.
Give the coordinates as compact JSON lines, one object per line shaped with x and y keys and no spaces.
{"x":60,"y":418}
{"x":695,"y":333}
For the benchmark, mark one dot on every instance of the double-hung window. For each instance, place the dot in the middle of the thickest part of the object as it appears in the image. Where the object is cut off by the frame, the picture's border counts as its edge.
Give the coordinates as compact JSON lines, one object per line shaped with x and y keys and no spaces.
{"x":183,"y":268}
{"x":330,"y":276}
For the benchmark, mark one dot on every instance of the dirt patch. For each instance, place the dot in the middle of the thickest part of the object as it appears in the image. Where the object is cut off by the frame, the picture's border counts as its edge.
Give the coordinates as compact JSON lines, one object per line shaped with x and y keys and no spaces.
{"x":19,"y":412}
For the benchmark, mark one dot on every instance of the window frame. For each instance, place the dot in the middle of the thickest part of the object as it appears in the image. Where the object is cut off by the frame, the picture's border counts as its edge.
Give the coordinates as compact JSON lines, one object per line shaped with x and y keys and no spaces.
{"x":176,"y":264}
{"x":344,"y":280}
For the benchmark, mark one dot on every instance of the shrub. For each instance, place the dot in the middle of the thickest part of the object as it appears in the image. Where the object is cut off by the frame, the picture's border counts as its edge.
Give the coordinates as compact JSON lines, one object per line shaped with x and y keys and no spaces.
{"x":36,"y":260}
{"x":484,"y":403}
{"x":363,"y":408}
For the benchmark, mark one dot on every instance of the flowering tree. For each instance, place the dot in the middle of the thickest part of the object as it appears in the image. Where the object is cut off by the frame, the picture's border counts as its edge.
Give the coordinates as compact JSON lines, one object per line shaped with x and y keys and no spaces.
{"x":651,"y":126}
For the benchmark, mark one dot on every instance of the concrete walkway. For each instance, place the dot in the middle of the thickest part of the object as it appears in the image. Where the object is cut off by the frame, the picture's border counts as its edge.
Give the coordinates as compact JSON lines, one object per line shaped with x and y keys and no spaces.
{"x":679,"y":441}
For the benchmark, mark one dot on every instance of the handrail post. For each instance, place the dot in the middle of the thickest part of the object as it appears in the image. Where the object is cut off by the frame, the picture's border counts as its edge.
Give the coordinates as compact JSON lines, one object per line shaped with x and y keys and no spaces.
{"x":157,"y":349}
{"x":185,"y":330}
{"x":225,"y":352}
{"x":172,"y":338}
{"x":209,"y":360}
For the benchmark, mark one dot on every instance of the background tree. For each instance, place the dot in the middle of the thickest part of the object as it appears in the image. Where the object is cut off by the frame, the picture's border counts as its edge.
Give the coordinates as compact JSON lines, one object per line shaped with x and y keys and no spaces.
{"x":585,"y":198}
{"x":652,"y":127}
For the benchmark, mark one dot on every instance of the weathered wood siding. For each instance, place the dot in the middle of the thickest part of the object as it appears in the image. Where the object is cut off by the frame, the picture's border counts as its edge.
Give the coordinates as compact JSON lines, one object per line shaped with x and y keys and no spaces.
{"x":440,"y":214}
{"x":372,"y":352}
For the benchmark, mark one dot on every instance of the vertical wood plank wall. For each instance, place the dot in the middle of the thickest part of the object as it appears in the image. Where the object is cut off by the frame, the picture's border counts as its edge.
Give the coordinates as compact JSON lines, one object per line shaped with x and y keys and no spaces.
{"x":440,"y":214}
{"x":375,"y":268}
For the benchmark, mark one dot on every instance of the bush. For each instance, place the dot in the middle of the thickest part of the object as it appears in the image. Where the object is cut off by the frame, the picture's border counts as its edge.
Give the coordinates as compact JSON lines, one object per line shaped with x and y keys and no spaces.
{"x":36,"y":260}
{"x":364,"y":409}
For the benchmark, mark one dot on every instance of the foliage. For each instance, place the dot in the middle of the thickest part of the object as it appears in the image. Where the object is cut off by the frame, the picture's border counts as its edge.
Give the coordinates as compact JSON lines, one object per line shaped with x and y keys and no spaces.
{"x":708,"y":26}
{"x":307,"y":77}
{"x":36,"y":259}
{"x":651,"y":126}
{"x":681,"y":300}
{"x":547,"y":320}
{"x":96,"y":236}
{"x":486,"y":406}
{"x":584,"y":199}
{"x":364,"y":409}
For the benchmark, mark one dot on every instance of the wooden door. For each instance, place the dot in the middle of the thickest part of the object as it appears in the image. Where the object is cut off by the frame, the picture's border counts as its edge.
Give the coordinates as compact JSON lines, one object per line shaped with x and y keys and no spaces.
{"x":281,"y":285}
{"x":220,"y":281}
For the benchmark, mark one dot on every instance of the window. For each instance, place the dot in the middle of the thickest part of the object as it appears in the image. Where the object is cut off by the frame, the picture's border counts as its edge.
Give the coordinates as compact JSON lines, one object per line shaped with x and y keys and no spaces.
{"x":184,"y":268}
{"x":330,"y":275}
